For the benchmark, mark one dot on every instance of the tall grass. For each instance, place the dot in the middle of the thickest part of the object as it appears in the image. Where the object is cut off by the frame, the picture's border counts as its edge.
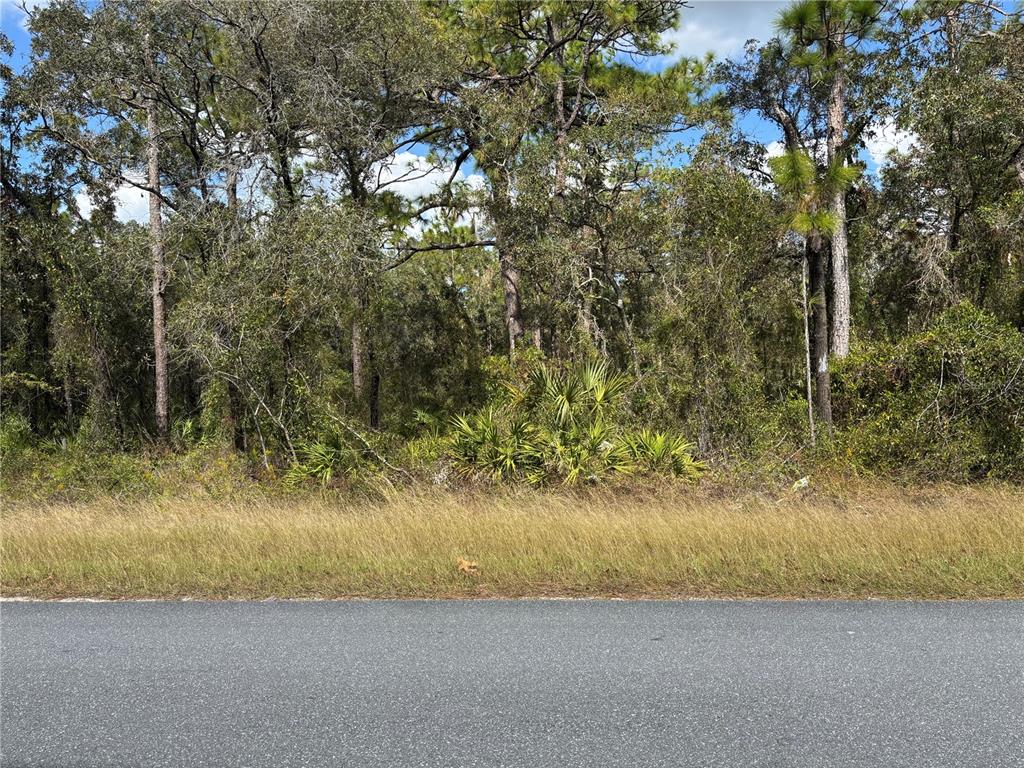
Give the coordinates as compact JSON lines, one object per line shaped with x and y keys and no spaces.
{"x":937,"y":542}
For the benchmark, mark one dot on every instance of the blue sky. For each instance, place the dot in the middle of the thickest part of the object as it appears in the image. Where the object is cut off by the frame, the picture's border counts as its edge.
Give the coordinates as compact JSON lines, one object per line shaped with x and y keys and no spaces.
{"x":12,"y":23}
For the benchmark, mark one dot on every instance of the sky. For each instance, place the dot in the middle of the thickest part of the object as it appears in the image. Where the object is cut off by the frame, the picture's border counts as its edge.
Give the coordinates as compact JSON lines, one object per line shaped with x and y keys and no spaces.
{"x":719,"y":27}
{"x":722,"y":27}
{"x":12,"y":22}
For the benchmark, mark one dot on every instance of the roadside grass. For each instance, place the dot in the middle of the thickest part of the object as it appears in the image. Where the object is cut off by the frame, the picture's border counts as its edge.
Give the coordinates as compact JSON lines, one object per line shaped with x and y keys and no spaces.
{"x":861,"y":541}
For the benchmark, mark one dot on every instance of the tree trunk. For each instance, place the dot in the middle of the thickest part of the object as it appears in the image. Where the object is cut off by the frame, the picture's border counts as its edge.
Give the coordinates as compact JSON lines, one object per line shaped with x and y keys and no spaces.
{"x":840,"y":247}
{"x":373,"y":396}
{"x":357,"y":356}
{"x":513,"y":303}
{"x":159,"y":278}
{"x":368,"y":391}
{"x":231,"y":189}
{"x":501,"y":210}
{"x":561,"y":129}
{"x":807,"y":347}
{"x":819,"y":321}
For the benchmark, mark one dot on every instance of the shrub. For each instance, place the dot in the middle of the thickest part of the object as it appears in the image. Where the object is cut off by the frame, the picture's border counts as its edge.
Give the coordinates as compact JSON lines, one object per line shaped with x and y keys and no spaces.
{"x":16,"y":446}
{"x":15,"y":434}
{"x":72,"y":471}
{"x":663,"y":452}
{"x":562,"y":426}
{"x":947,"y":403}
{"x":324,"y":460}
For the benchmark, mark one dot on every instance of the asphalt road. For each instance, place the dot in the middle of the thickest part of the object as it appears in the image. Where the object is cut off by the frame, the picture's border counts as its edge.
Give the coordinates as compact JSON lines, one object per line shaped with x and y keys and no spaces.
{"x":547,"y":683}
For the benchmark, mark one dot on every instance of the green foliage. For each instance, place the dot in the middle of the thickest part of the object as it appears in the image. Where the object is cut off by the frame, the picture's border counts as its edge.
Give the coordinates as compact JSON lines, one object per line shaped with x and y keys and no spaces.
{"x":324,"y":461}
{"x":664,"y":452}
{"x":820,"y":29}
{"x":793,"y":172}
{"x":807,"y":189}
{"x":423,"y":455}
{"x":17,"y":442}
{"x":15,"y":434}
{"x":946,"y":403}
{"x":215,"y":418}
{"x":186,"y":433}
{"x":72,"y":471}
{"x":721,"y":351}
{"x":563,"y":426}
{"x":66,"y":470}
{"x":501,"y":449}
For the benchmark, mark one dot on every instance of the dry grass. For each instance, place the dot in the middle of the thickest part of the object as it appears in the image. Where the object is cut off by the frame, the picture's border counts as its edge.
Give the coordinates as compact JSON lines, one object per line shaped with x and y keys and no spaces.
{"x":928,"y":543}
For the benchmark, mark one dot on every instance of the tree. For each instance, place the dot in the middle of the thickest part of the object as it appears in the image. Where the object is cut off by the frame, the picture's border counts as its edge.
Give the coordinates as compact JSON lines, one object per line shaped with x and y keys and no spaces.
{"x":380,"y":63}
{"x":102,"y":91}
{"x":767,"y":82}
{"x":161,"y":406}
{"x":824,"y":35}
{"x":808,"y":198}
{"x":953,"y":196}
{"x":363,"y":214}
{"x":537,"y":71}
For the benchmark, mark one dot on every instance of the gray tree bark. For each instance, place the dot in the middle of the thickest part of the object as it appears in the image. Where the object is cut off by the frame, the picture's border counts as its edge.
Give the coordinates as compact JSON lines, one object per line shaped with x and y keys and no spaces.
{"x":501,"y":206}
{"x":357,"y":356}
{"x":513,"y":303}
{"x":840,"y":246}
{"x":819,"y":320}
{"x":807,"y":347}
{"x":162,"y":407}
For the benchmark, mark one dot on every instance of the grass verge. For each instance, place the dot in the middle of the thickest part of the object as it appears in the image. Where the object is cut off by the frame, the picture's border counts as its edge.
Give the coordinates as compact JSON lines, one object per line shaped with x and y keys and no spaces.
{"x":926,"y":543}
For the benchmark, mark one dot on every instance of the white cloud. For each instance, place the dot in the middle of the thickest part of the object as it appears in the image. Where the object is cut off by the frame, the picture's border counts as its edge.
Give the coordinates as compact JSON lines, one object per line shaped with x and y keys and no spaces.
{"x":412,"y":176}
{"x":722,"y":27}
{"x":476,"y":181}
{"x":882,"y":138}
{"x":407,"y":174}
{"x":132,"y":203}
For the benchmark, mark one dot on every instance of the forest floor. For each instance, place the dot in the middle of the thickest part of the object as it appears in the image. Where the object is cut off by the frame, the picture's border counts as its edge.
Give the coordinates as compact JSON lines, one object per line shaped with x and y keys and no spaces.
{"x":861,"y":541}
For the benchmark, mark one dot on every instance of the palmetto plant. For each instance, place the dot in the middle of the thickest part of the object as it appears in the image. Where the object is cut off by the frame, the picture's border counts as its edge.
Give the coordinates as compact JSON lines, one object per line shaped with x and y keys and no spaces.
{"x":587,"y":452}
{"x":483,"y":444}
{"x":561,"y":426}
{"x":664,"y":452}
{"x":323,"y":461}
{"x":571,"y":396}
{"x":605,"y":389}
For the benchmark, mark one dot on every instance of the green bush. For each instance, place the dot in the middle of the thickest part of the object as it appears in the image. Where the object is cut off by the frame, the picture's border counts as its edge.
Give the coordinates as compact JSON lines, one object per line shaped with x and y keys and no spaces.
{"x":663,"y":452}
{"x":947,"y":403}
{"x":15,"y":434}
{"x":72,"y":471}
{"x":16,"y":446}
{"x":324,"y":460}
{"x":563,"y":426}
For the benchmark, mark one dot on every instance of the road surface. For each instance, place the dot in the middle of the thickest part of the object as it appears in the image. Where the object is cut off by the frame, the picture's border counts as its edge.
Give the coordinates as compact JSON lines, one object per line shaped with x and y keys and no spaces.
{"x":520,"y":683}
